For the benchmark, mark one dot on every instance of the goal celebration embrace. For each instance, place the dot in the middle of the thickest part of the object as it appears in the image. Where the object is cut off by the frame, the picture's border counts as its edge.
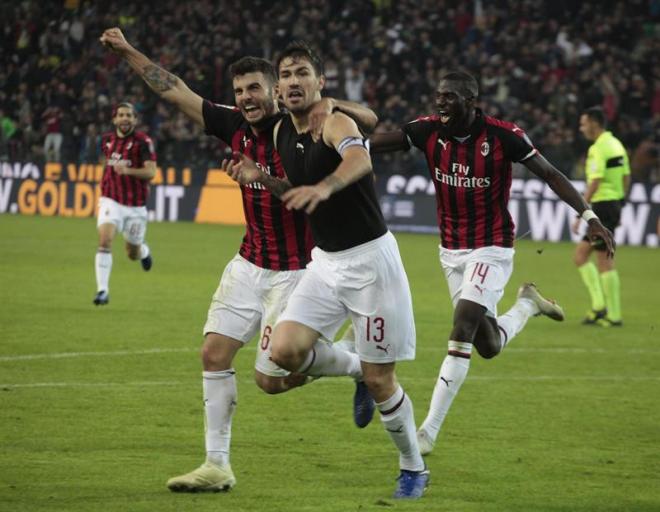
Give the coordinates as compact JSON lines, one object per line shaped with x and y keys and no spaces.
{"x":318,"y":167}
{"x":330,"y":255}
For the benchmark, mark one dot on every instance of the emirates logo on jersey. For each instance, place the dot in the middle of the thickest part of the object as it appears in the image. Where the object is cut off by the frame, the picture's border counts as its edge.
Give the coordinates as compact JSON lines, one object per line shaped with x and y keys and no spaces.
{"x":485,"y":148}
{"x":116,"y":159}
{"x":459,"y":177}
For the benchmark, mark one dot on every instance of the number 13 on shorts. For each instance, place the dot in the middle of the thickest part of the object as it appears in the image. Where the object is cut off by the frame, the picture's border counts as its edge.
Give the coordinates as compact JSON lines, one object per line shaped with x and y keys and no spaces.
{"x":375,"y":329}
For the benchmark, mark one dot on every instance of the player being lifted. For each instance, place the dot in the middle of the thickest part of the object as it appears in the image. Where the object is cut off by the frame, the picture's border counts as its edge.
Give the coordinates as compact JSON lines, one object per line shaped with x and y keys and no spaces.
{"x":469,"y":156}
{"x":256,"y":284}
{"x":130,"y":163}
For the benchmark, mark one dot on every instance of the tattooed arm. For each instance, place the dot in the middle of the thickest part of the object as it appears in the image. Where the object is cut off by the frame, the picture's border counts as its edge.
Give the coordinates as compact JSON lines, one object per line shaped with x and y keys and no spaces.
{"x":244,"y":171}
{"x":168,"y":86}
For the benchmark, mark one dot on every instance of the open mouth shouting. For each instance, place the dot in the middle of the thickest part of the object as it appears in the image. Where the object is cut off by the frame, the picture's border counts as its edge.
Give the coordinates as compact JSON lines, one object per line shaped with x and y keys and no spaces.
{"x":295,"y":96}
{"x":251,"y":111}
{"x":444,"y":116}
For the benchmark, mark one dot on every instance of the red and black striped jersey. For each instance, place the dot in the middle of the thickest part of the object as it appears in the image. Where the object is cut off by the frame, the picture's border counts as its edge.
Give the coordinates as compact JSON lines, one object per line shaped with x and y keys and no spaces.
{"x":275,"y":238}
{"x":472,"y":178}
{"x":130,"y":151}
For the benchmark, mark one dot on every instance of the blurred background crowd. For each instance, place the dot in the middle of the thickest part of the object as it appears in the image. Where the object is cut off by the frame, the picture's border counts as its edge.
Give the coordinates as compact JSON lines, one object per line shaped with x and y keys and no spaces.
{"x":539,"y":63}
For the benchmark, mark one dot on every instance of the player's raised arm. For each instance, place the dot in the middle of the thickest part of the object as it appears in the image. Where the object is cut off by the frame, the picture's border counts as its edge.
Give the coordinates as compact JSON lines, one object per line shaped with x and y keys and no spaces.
{"x":561,"y":186}
{"x":168,"y":86}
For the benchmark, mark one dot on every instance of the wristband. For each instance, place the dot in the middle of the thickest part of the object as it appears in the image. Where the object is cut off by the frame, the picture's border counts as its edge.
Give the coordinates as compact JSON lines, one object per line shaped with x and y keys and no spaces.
{"x":587,"y":215}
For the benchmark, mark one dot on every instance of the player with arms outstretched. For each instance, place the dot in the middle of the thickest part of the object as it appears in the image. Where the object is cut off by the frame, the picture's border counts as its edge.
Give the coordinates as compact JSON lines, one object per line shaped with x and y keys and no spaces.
{"x":256,"y":284}
{"x":469,"y":156}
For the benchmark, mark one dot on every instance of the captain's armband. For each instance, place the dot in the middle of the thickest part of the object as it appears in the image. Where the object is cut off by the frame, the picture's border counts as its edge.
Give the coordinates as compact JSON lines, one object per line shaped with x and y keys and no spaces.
{"x":352,"y":141}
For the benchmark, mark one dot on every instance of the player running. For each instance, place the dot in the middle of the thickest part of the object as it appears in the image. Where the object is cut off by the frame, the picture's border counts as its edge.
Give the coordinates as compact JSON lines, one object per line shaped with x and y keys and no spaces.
{"x":256,"y":284}
{"x":469,"y":156}
{"x":130,"y":163}
{"x":356,"y":270}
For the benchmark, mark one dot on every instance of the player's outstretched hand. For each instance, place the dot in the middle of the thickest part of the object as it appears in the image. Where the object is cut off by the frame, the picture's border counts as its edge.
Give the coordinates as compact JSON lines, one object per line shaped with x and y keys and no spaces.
{"x":242,"y":169}
{"x":114,"y":39}
{"x":596,"y":231}
{"x":306,"y":197}
{"x":317,"y":117}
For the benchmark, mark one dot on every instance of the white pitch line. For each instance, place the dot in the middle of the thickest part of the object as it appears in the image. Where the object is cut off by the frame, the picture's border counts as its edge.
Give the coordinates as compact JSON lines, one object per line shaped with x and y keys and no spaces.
{"x":251,"y":347}
{"x":326,"y":381}
{"x":67,"y":355}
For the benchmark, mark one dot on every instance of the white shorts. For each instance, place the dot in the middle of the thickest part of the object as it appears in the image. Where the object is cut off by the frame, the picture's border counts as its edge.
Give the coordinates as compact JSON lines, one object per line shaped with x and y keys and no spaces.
{"x":131,"y":221}
{"x":248,"y":300}
{"x":367,"y":283}
{"x":478,"y":275}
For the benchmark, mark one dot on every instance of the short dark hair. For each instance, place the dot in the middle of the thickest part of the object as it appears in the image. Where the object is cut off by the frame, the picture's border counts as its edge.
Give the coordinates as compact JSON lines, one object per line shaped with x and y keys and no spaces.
{"x":469,"y":86}
{"x":298,"y":49}
{"x":596,"y":114}
{"x":253,"y":65}
{"x":123,"y":104}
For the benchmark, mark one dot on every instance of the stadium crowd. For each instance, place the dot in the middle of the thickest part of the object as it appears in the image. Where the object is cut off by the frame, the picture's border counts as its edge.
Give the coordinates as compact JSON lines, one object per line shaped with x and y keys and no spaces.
{"x":539,"y":63}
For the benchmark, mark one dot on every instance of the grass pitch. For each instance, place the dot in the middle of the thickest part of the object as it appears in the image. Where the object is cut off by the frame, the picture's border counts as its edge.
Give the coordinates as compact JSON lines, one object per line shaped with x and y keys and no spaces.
{"x":100,"y":405}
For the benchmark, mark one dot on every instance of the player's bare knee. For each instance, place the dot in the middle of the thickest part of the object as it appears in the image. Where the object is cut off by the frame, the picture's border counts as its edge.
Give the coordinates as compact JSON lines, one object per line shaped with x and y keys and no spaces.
{"x":487,"y":352}
{"x":581,"y":254}
{"x":286,"y":357}
{"x":217,"y":352}
{"x":579,"y":259}
{"x":464,"y":330}
{"x":381,"y":381}
{"x":290,"y":347}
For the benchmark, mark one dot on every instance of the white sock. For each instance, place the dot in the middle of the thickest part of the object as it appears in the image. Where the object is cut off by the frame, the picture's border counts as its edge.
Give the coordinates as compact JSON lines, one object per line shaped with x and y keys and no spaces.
{"x":398,"y":418}
{"x":513,"y":321}
{"x":220,"y":397}
{"x":103,"y":265}
{"x":327,"y":360}
{"x":453,"y":371}
{"x":144,"y":251}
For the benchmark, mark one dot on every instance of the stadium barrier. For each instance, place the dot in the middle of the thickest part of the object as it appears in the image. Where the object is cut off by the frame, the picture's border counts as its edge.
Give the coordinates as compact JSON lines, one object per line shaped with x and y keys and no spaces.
{"x":408,"y":201}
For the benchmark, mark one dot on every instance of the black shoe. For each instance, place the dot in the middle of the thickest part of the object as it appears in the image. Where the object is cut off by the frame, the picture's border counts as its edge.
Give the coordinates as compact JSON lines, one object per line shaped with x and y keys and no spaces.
{"x":146,"y":263}
{"x":102,"y":298}
{"x":606,"y":322}
{"x":593,"y":316}
{"x":363,"y":405}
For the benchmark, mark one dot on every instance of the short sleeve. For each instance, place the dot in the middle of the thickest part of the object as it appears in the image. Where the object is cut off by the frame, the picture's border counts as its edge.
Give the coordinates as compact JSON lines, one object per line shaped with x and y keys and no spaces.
{"x":595,"y":164}
{"x":222,"y":121}
{"x":147,"y":149}
{"x":418,"y":131}
{"x":516,"y":144}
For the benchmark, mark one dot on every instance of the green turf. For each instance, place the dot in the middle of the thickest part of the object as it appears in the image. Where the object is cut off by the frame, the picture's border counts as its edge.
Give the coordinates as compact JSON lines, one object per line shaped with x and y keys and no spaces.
{"x":567,"y":419}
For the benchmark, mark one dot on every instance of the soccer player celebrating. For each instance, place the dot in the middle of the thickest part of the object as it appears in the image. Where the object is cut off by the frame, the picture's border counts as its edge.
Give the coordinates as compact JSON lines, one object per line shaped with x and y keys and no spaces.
{"x":256,"y":284}
{"x":469,"y":156}
{"x":130,"y":163}
{"x":356,"y":270}
{"x":608,"y":178}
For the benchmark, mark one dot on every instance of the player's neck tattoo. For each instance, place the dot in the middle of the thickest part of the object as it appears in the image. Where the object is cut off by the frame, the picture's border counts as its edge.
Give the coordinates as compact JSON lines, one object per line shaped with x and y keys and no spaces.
{"x":158,"y":79}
